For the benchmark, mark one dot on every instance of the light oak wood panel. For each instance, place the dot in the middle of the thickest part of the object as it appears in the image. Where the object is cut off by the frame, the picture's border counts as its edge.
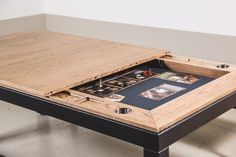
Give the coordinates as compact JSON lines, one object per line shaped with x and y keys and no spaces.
{"x":189,"y":103}
{"x":138,"y":117}
{"x":203,"y":70}
{"x":44,"y":62}
{"x":201,"y":63}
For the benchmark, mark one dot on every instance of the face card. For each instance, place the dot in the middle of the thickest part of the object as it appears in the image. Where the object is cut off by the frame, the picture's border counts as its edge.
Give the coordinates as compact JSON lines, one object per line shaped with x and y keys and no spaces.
{"x":161,"y":92}
{"x":115,"y":97}
{"x":178,"y":77}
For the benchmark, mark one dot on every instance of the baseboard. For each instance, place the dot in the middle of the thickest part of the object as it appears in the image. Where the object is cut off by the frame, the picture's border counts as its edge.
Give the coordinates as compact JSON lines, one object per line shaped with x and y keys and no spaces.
{"x":28,"y":23}
{"x":200,"y":45}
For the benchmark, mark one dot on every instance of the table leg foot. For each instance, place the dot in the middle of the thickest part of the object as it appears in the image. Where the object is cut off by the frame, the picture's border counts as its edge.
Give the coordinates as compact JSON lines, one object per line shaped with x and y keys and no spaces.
{"x":163,"y":153}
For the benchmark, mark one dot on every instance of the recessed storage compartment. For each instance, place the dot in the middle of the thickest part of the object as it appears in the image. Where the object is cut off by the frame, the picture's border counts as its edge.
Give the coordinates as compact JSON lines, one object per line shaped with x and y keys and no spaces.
{"x":150,"y":84}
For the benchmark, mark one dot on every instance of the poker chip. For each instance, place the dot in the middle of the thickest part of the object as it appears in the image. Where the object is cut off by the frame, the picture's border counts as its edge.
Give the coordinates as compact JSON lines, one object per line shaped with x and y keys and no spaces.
{"x":140,"y":76}
{"x":100,"y":89}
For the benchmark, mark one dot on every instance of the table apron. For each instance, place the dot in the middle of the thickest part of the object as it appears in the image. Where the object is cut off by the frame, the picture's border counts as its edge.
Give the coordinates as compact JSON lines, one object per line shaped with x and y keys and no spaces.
{"x":128,"y":133}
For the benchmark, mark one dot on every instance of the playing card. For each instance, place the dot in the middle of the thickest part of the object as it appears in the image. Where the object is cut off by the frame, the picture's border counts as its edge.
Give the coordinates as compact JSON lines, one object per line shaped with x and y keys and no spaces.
{"x":115,"y":97}
{"x":161,"y":92}
{"x":178,"y":77}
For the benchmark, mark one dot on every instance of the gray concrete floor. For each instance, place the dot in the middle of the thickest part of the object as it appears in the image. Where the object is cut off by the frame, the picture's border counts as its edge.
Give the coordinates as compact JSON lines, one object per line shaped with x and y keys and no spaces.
{"x":24,"y":133}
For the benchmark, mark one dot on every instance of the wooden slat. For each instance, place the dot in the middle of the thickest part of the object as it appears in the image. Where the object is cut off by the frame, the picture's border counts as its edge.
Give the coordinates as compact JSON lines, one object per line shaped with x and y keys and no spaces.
{"x":187,"y":104}
{"x":201,"y":63}
{"x":44,"y":62}
{"x":203,"y":70}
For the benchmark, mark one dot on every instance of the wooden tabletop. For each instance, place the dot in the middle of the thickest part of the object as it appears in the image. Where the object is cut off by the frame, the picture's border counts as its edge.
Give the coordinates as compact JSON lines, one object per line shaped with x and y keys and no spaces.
{"x":44,"y":62}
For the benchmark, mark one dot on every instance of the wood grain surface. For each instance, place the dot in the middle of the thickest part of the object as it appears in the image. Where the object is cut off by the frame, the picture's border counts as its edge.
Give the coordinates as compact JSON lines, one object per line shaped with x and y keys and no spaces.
{"x":200,"y":63}
{"x":44,"y":62}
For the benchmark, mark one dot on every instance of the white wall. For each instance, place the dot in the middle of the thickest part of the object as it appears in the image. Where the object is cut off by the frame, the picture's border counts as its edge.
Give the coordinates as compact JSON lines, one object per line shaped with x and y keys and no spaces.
{"x":18,"y":8}
{"x":208,"y":16}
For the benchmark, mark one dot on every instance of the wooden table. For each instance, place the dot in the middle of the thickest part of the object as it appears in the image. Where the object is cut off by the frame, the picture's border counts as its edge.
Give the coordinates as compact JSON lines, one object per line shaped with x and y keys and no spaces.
{"x":39,"y":70}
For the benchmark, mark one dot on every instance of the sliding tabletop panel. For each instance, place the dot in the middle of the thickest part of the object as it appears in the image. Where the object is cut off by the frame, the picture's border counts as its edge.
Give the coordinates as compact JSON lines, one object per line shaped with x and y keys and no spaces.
{"x":43,"y":62}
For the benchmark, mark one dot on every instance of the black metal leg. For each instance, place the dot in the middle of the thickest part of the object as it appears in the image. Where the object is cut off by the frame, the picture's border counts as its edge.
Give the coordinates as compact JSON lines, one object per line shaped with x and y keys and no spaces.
{"x":163,"y":153}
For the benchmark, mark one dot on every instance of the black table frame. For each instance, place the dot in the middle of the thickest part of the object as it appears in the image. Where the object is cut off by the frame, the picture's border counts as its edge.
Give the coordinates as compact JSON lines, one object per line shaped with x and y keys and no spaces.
{"x":154,"y":144}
